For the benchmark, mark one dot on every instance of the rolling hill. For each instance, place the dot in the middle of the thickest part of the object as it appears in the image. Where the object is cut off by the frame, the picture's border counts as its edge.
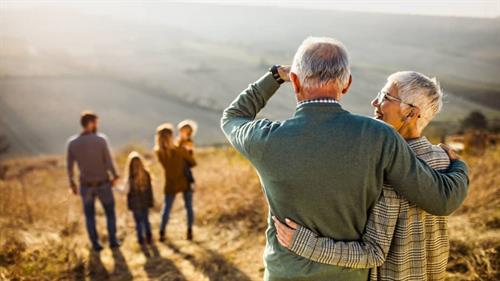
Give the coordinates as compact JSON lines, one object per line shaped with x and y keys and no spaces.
{"x":167,"y":62}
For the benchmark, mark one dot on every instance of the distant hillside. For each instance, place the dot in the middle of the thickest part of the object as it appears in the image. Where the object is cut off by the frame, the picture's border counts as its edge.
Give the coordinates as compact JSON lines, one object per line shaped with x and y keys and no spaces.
{"x":168,"y":62}
{"x":42,"y":235}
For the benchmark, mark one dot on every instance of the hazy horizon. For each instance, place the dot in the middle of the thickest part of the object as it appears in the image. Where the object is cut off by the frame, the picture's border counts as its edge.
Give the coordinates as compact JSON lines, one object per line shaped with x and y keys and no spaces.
{"x":444,"y":8}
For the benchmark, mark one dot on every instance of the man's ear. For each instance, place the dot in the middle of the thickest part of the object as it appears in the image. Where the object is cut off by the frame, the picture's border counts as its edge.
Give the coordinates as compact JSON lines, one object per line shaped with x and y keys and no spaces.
{"x":295,"y":82}
{"x":346,"y":89}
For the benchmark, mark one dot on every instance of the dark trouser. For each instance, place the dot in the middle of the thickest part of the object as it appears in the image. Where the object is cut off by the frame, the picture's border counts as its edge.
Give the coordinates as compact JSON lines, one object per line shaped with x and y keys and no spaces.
{"x":142,"y":225}
{"x":169,"y":201}
{"x":105,"y":195}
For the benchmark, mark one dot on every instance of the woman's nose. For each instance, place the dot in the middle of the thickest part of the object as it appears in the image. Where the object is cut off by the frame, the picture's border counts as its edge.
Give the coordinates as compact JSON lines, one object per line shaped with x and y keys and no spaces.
{"x":375,"y":102}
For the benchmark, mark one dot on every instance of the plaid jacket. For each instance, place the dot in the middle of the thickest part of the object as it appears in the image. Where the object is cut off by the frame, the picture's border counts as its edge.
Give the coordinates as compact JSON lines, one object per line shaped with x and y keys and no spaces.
{"x":401,"y":241}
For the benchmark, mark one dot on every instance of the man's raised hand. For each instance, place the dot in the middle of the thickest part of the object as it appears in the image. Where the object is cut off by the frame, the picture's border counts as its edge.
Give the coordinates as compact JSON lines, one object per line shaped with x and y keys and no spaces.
{"x":284,"y":72}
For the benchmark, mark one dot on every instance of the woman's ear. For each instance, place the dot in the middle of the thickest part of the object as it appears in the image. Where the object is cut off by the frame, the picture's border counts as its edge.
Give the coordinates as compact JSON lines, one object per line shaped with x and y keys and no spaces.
{"x":414,"y":112}
{"x":295,"y":82}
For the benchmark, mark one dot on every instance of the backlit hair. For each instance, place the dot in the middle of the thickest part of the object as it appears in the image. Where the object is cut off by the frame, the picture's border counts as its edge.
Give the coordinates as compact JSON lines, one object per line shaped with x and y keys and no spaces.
{"x":320,"y":60}
{"x":419,"y":90}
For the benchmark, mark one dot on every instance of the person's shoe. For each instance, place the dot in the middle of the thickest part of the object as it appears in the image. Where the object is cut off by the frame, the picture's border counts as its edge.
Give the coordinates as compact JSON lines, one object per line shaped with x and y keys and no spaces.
{"x":189,"y":235}
{"x":162,"y":236}
{"x":97,"y":247}
{"x":115,"y":245}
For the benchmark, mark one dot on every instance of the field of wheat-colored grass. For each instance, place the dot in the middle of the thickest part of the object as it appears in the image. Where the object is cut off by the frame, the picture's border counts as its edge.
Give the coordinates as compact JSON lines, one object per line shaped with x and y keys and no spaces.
{"x":42,"y":235}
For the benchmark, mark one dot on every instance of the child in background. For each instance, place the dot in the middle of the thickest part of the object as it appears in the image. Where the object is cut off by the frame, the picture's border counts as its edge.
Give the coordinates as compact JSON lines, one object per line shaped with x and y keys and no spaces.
{"x":139,"y":196}
{"x":187,"y":129}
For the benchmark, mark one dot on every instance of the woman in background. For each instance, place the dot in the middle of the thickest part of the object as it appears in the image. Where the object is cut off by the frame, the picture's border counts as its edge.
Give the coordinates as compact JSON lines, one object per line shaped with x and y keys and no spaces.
{"x":139,"y":196}
{"x":173,"y":160}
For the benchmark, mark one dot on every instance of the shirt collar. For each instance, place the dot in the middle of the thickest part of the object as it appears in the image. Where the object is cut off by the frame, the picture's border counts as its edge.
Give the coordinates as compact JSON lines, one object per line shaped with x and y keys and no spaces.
{"x":322,"y":100}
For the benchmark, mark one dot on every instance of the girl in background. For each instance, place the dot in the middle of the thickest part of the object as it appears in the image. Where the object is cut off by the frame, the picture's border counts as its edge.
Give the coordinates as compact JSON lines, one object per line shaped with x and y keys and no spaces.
{"x":173,"y":160}
{"x":187,"y":129}
{"x":140,"y":196}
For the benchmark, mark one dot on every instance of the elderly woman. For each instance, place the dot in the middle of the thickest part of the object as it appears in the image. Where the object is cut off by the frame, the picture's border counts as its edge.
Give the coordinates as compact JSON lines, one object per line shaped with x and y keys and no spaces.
{"x":401,"y":241}
{"x":174,"y":160}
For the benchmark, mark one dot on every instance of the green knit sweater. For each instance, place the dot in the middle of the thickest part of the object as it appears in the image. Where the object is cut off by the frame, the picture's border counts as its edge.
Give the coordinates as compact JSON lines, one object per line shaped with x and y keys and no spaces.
{"x":324,"y":168}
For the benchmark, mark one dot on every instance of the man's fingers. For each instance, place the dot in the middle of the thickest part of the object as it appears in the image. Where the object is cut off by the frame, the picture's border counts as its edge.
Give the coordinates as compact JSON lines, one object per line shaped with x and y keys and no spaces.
{"x":284,"y":72}
{"x":451,"y":153}
{"x":291,"y":223}
{"x":444,"y":146}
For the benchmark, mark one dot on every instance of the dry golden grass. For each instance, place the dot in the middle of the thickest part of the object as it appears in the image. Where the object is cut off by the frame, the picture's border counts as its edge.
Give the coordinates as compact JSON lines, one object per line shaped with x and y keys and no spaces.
{"x":42,"y":235}
{"x":475,"y":227}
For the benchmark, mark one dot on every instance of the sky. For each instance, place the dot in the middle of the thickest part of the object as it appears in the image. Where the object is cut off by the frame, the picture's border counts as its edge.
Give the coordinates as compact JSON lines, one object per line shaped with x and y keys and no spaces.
{"x":462,"y":8}
{"x":467,"y":8}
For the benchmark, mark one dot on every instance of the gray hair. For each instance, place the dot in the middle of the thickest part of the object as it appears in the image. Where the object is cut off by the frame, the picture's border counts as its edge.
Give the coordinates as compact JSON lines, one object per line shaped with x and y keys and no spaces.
{"x":320,"y":60}
{"x":419,"y":90}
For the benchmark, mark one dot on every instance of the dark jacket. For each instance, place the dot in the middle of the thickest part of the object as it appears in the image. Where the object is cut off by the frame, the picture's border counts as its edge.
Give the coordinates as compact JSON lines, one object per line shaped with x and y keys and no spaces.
{"x":138,"y":200}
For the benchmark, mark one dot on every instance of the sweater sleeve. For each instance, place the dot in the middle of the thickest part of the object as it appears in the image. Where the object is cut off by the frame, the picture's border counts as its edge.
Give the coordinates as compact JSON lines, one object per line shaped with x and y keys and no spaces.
{"x":438,"y":193}
{"x":238,"y":120}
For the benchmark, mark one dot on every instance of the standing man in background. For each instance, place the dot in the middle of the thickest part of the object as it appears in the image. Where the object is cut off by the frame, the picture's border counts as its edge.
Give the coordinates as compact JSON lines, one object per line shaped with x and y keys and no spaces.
{"x":90,"y":151}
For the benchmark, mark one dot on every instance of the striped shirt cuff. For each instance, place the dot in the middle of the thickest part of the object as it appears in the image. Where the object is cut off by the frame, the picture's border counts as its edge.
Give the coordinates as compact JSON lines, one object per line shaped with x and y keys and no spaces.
{"x":304,"y":242}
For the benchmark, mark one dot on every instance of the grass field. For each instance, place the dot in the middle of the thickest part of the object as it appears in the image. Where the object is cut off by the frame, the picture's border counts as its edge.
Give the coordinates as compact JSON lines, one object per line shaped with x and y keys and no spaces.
{"x":42,"y":234}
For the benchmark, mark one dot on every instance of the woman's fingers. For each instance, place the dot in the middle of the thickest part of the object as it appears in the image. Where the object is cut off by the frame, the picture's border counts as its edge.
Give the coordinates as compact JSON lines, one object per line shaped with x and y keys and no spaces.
{"x":282,"y":242}
{"x":291,"y":223}
{"x":280,"y":230}
{"x":284,"y":233}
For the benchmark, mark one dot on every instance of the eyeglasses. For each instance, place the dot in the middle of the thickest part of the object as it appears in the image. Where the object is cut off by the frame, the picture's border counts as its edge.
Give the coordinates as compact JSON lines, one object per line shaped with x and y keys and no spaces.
{"x":385,"y":95}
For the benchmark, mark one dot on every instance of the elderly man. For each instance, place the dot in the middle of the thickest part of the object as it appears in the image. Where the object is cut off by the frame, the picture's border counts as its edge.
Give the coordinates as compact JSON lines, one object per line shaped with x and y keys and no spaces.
{"x":325,"y":167}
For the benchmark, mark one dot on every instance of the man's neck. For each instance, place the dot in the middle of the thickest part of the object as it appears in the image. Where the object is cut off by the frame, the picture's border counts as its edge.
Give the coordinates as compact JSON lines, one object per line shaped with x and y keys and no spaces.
{"x":328,"y":91}
{"x":316,"y":95}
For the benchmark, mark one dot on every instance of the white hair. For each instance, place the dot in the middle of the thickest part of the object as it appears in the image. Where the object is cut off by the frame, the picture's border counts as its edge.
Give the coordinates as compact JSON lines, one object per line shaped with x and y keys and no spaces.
{"x":419,"y":90}
{"x":320,"y":60}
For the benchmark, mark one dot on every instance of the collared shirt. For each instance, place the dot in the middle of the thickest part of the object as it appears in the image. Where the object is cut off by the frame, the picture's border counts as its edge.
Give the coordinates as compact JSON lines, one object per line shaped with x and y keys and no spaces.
{"x":322,"y":100}
{"x":405,"y":242}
